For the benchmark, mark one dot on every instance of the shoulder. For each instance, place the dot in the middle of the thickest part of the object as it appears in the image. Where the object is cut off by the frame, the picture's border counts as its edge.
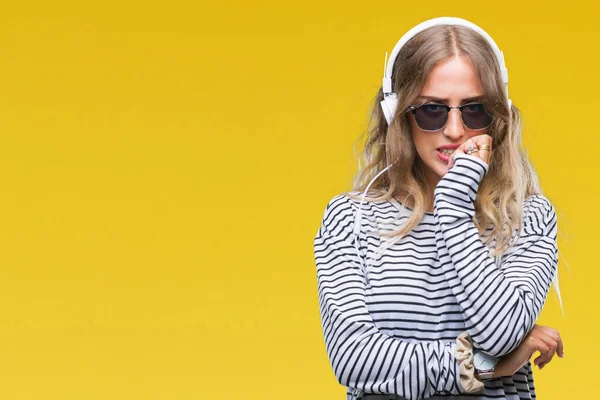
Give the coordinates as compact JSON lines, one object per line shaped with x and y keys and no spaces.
{"x":338,"y":217}
{"x":340,"y":207}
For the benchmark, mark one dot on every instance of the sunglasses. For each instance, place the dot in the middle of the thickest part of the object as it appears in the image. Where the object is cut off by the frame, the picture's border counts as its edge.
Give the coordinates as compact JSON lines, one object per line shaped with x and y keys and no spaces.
{"x":432,"y":117}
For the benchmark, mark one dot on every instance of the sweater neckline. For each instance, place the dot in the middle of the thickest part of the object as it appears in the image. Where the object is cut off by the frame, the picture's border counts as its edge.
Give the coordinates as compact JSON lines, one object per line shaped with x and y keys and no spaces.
{"x":400,"y":206}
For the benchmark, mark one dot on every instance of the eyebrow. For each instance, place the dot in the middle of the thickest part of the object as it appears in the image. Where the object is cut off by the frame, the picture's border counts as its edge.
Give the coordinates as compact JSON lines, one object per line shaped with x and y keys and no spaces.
{"x":440,"y":100}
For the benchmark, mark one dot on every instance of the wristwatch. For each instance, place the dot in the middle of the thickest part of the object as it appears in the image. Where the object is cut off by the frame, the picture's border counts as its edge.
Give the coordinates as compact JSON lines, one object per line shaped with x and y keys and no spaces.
{"x":484,"y":365}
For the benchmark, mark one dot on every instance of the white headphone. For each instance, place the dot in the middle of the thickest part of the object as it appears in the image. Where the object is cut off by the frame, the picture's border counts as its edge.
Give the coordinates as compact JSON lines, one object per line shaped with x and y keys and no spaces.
{"x":389,"y":102}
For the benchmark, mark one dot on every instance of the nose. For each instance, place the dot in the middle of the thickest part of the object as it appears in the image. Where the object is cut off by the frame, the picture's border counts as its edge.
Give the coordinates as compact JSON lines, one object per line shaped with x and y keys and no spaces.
{"x":454,"y":126}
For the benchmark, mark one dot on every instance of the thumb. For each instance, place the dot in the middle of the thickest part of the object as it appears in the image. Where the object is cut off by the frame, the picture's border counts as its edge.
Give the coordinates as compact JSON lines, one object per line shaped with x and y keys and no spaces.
{"x":451,"y":159}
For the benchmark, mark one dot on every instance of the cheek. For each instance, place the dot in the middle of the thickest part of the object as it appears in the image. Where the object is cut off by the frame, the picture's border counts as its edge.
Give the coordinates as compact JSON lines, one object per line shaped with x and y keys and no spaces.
{"x":416,"y":140}
{"x":423,"y":142}
{"x":418,"y":136}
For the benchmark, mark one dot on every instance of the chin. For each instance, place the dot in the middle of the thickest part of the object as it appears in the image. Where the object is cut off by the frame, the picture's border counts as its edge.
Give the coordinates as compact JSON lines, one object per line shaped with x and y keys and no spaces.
{"x":435,"y":167}
{"x":440,"y":168}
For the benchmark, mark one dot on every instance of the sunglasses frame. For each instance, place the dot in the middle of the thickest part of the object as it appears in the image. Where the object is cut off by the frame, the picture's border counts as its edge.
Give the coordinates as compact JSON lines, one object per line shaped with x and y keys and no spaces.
{"x":413,"y":109}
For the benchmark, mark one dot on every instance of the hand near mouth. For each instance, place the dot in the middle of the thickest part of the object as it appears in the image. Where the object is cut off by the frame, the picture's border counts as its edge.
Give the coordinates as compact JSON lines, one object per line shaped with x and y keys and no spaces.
{"x":476,"y":142}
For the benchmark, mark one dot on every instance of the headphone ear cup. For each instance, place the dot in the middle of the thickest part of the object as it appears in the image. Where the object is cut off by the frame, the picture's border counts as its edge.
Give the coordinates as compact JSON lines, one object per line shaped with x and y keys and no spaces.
{"x":388,"y":105}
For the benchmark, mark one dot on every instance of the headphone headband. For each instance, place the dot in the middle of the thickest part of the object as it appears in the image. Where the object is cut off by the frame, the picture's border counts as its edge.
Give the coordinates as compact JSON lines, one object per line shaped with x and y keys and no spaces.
{"x":389,"y":101}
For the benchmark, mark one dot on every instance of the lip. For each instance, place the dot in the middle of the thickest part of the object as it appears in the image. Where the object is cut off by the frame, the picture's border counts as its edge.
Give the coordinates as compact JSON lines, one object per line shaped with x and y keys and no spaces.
{"x":449,"y":146}
{"x":442,"y":157}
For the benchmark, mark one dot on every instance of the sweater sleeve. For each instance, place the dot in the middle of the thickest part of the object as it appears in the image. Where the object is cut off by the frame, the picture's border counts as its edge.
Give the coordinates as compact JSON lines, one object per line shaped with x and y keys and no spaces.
{"x":361,"y":356}
{"x":500,"y":304}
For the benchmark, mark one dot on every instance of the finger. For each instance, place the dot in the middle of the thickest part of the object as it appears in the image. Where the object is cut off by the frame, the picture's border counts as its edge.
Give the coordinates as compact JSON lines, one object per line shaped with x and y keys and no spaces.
{"x":469,"y":143}
{"x":547,"y":335}
{"x":545,"y":358}
{"x":529,"y":347}
{"x":451,"y":160}
{"x":536,"y":344}
{"x":543,"y":364}
{"x":550,"y":342}
{"x":475,"y":152}
{"x":560,"y":348}
{"x":480,"y":140}
{"x":550,"y":331}
{"x":556,"y":337}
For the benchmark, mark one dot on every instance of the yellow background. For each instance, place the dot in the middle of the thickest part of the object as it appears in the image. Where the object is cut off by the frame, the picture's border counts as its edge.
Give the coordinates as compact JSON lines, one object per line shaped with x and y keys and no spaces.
{"x":166,"y":166}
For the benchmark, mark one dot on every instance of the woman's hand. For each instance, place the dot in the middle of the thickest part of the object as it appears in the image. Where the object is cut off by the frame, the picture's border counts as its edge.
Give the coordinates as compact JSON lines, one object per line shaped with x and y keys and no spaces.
{"x":541,"y":338}
{"x":475,"y":141}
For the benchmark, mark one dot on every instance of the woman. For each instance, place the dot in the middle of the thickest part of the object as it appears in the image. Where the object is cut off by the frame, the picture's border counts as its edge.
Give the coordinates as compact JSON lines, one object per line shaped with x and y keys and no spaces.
{"x":430,"y":287}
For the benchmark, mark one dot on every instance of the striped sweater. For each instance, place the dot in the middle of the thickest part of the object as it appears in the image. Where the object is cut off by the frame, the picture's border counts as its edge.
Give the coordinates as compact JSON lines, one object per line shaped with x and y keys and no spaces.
{"x":391,"y":327}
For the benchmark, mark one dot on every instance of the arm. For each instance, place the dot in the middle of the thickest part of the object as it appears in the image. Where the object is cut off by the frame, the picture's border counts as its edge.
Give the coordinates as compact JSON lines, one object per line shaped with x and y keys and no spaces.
{"x":362,"y":357}
{"x":499,"y":305}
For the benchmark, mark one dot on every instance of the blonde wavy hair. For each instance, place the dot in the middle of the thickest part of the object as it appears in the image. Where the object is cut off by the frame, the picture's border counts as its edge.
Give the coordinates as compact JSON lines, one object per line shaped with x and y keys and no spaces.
{"x":510,"y":178}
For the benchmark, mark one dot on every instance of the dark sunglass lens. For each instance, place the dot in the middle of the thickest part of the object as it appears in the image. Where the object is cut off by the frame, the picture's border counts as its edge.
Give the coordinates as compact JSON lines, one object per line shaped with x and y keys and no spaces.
{"x":431,"y":117}
{"x":475,"y":116}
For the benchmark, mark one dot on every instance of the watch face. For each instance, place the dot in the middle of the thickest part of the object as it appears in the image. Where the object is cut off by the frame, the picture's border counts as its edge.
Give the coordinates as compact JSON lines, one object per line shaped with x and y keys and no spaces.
{"x":486,"y":364}
{"x":483,"y":362}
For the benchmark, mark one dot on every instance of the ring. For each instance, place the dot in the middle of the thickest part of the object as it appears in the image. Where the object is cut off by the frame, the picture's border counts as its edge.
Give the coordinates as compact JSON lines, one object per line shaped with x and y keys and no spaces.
{"x":485,"y":147}
{"x":472,"y":149}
